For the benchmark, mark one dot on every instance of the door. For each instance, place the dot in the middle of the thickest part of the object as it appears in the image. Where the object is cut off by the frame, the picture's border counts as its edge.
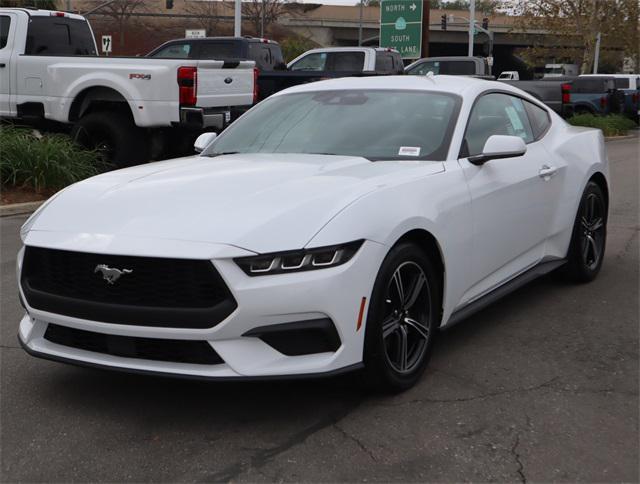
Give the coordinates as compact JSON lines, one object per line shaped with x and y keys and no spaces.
{"x":510,"y":212}
{"x":7,"y":28}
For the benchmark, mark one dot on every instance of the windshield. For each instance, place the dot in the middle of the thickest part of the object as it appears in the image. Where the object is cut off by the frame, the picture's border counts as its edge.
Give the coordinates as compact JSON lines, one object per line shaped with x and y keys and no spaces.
{"x":375,"y":124}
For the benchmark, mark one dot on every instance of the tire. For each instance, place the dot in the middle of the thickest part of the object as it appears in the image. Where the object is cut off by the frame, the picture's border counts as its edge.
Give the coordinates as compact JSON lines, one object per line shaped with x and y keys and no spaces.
{"x":589,"y":237}
{"x":114,"y":135}
{"x":390,"y":322}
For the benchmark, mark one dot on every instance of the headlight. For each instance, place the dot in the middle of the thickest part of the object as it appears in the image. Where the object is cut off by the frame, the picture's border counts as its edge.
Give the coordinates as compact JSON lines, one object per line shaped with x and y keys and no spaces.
{"x":298,"y":260}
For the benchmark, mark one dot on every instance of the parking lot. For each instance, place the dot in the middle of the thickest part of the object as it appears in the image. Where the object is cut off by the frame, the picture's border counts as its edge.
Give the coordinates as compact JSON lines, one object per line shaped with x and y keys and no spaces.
{"x":542,"y":386}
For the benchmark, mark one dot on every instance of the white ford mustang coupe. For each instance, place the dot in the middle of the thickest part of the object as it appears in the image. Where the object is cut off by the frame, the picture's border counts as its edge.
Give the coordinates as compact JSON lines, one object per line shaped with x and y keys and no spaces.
{"x":336,"y":226}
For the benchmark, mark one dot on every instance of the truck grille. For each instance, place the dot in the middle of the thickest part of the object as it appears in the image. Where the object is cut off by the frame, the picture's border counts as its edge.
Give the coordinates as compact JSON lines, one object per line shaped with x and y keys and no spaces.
{"x":160,"y":292}
{"x":176,"y":351}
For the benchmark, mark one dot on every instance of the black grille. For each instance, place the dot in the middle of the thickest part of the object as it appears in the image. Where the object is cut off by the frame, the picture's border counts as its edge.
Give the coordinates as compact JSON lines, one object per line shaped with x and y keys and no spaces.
{"x":177,"y":351}
{"x":157,"y":292}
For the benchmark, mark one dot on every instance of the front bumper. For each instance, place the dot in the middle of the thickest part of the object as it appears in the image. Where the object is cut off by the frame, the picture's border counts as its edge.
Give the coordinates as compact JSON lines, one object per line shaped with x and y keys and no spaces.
{"x":333,"y":294}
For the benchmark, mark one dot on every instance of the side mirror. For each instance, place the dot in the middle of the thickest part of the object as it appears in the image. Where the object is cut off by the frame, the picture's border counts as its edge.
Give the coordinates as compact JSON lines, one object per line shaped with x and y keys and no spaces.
{"x":500,"y":146}
{"x":203,"y":141}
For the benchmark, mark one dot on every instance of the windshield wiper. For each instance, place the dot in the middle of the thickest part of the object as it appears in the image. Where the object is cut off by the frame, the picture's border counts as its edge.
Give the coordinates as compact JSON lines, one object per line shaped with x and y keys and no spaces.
{"x":338,"y":154}
{"x":213,"y":155}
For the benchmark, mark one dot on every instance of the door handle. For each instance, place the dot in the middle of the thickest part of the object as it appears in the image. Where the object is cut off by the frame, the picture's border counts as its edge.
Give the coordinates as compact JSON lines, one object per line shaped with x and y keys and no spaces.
{"x":2,"y":64}
{"x":547,"y":171}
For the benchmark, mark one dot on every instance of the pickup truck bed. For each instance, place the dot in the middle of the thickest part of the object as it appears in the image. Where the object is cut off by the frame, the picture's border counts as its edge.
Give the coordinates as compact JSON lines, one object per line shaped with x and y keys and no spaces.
{"x":549,"y":92}
{"x":122,"y":106}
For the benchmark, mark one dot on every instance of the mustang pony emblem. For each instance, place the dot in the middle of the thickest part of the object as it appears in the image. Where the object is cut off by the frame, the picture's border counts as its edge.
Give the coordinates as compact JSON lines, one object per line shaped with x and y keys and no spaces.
{"x":111,"y":274}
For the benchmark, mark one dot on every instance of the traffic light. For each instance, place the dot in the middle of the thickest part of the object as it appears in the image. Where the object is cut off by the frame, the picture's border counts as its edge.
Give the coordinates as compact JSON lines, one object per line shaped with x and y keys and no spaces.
{"x":485,"y":23}
{"x":169,"y":4}
{"x":443,"y":22}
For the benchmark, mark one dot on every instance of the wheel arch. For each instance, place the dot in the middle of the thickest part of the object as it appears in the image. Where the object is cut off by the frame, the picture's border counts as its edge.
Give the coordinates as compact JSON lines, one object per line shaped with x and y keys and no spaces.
{"x":428,"y":243}
{"x":95,"y":96}
{"x":599,"y":179}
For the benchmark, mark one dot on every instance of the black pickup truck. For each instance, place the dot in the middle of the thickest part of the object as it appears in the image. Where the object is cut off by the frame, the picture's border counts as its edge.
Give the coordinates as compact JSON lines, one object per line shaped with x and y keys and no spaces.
{"x":554,"y":92}
{"x":273,"y":74}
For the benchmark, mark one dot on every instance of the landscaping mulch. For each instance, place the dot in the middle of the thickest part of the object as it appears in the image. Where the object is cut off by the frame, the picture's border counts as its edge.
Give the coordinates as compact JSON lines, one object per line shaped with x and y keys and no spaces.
{"x":11,"y":195}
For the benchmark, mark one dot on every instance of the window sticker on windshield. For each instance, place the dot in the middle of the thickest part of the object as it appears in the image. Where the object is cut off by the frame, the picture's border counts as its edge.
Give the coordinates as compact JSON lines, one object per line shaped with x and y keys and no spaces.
{"x":409,"y":151}
{"x":514,"y":118}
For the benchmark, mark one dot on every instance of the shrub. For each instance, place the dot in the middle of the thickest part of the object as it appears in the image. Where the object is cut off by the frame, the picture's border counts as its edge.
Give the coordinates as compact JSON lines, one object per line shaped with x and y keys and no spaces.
{"x":292,"y":47}
{"x":611,"y":125}
{"x":42,"y":162}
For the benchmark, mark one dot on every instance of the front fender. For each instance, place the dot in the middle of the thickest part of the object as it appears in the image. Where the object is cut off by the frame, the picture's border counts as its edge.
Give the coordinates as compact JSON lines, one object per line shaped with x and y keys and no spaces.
{"x":438,"y":204}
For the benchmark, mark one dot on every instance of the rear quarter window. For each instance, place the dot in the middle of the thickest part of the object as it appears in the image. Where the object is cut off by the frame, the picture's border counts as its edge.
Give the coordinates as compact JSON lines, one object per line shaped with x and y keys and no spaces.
{"x":59,"y":36}
{"x":539,"y":119}
{"x":384,"y":62}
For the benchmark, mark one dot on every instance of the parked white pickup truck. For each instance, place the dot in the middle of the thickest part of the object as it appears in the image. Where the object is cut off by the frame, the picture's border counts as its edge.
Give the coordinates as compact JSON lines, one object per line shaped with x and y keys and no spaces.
{"x":49,"y":68}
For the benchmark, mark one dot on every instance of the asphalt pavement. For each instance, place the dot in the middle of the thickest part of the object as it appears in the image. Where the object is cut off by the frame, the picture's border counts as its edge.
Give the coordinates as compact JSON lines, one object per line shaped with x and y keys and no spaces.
{"x":542,"y":386}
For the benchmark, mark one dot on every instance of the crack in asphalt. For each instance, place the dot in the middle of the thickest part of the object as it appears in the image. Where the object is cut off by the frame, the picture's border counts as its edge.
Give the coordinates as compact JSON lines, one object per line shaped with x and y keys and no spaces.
{"x":358,"y":442}
{"x":627,"y":246}
{"x":264,"y":456}
{"x":7,"y":347}
{"x":474,"y":397}
{"x":516,"y":456}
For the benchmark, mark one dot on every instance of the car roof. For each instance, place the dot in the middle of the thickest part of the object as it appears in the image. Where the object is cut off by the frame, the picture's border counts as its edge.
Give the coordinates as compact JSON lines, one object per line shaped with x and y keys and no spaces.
{"x":440,"y":83}
{"x":36,"y":12}
{"x":235,"y":39}
{"x":618,"y":76}
{"x":343,"y":49}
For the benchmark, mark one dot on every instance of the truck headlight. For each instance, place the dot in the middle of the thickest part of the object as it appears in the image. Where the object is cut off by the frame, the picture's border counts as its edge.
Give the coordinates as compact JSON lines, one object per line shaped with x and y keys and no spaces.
{"x":298,"y":260}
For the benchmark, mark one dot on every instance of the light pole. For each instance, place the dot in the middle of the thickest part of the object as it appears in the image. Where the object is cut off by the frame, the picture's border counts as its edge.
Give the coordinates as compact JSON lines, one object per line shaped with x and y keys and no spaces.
{"x":596,"y":59}
{"x":237,"y":27}
{"x":360,"y":24}
{"x":472,"y":25}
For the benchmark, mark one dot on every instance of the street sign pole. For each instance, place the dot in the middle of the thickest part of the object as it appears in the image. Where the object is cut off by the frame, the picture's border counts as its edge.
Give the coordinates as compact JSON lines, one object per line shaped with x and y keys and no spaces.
{"x":401,"y":26}
{"x":472,"y":25}
{"x":426,"y":14}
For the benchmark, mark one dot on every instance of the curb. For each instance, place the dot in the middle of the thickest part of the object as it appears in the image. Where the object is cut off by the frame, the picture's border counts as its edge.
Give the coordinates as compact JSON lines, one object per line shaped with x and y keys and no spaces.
{"x":19,"y":208}
{"x":619,"y":138}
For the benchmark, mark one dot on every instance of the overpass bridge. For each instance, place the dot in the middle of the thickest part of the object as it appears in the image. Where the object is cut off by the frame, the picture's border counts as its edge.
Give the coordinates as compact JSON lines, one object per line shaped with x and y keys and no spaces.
{"x":329,"y":25}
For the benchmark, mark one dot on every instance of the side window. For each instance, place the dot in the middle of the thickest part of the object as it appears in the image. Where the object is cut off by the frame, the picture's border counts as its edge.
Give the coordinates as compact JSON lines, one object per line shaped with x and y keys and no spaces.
{"x":496,"y":113}
{"x":59,"y":36}
{"x":425,"y":67}
{"x":174,"y":51}
{"x":276,"y":55}
{"x":265,"y":57}
{"x":5,"y":23}
{"x":346,"y":61}
{"x":311,"y":62}
{"x":539,"y":118}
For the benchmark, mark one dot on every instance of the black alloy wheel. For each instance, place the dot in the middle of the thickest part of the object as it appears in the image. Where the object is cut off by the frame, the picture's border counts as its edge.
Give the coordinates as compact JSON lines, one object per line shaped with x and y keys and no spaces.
{"x":402,"y":320}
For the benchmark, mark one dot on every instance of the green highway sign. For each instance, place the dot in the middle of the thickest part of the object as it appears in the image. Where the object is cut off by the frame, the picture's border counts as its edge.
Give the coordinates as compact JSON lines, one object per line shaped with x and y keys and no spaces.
{"x":401,"y":26}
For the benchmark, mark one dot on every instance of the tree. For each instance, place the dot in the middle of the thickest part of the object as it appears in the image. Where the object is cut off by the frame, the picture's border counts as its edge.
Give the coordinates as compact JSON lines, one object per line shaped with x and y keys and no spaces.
{"x":571,"y":27}
{"x":262,"y":13}
{"x":293,"y":46}
{"x":208,"y":13}
{"x":120,"y":12}
{"x":482,"y":6}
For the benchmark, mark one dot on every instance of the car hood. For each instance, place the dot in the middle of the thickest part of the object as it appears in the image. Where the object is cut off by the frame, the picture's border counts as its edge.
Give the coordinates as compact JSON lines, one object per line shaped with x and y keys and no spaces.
{"x":258,"y":202}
